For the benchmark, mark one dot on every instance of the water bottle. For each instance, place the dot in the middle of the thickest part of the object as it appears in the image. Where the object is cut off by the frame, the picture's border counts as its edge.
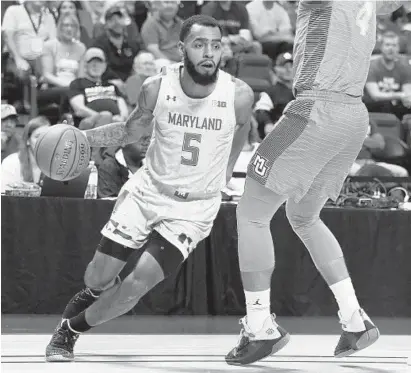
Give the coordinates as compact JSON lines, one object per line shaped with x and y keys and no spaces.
{"x":91,"y":190}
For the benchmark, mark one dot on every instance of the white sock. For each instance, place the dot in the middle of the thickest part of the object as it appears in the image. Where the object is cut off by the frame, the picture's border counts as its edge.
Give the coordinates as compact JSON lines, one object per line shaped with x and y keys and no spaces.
{"x":258,"y":308}
{"x":344,"y":294}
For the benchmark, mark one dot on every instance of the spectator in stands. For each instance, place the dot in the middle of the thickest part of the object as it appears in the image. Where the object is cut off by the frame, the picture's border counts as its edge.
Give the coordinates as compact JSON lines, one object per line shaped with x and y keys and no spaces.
{"x":93,"y":99}
{"x":272,"y":103}
{"x":374,"y":141}
{"x":22,"y":166}
{"x":388,"y":87}
{"x":161,"y":32}
{"x":26,"y":27}
{"x":271,"y":26}
{"x":228,"y":62}
{"x":232,"y":16}
{"x":190,"y":8}
{"x":143,"y":67}
{"x":72,"y":7}
{"x":9,"y":122}
{"x":116,"y":169}
{"x":61,"y":60}
{"x":119,"y":47}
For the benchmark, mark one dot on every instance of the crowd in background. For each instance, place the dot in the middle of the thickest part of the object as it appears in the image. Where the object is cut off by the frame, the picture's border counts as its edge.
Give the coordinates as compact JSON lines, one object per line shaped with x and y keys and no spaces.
{"x":83,"y":63}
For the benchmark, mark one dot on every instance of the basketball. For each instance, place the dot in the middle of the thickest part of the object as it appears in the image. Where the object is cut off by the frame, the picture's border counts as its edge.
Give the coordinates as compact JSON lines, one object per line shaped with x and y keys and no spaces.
{"x":63,"y":152}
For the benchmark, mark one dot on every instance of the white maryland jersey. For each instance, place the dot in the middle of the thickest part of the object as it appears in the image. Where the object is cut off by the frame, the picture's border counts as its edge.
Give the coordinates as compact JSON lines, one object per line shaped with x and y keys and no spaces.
{"x":192,"y":138}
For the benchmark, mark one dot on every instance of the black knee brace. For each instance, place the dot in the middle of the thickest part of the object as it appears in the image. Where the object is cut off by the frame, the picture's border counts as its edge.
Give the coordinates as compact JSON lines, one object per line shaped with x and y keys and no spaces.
{"x":165,"y":253}
{"x":114,"y":249}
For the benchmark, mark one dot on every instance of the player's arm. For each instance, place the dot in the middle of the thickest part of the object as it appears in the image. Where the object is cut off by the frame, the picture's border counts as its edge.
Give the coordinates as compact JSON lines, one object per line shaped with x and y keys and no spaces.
{"x":375,"y":93}
{"x":137,"y":125}
{"x":244,"y":100}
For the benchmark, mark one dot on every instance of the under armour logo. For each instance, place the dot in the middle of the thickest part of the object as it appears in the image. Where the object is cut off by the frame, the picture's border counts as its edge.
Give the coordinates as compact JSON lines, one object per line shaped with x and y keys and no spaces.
{"x":174,"y":98}
{"x":182,"y":195}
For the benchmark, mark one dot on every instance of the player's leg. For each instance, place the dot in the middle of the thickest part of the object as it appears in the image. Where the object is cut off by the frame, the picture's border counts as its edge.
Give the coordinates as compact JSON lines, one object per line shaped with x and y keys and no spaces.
{"x":125,"y":231}
{"x":358,"y":330}
{"x":160,"y":259}
{"x":261,"y":335}
{"x":101,"y":273}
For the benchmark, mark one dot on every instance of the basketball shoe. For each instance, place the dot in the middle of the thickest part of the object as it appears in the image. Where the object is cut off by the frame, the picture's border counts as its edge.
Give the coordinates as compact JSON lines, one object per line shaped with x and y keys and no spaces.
{"x":62,"y":344}
{"x":253,"y":347}
{"x":351,"y":342}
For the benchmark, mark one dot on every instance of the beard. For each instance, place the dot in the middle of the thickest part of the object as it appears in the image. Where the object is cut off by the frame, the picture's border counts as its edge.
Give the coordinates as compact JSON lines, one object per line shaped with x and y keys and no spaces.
{"x":201,"y":79}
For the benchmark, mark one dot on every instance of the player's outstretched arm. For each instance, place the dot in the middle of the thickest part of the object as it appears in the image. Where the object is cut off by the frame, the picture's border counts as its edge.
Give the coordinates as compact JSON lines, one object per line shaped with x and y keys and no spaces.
{"x":244,"y":100}
{"x":137,"y":125}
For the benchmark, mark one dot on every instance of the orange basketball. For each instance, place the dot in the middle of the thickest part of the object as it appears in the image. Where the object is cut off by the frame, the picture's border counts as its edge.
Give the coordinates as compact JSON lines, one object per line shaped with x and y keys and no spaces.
{"x":63,"y":152}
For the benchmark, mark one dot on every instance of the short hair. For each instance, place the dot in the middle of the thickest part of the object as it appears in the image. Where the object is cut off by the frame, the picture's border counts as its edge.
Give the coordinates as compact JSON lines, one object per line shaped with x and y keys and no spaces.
{"x":389,"y":35}
{"x":199,"y":19}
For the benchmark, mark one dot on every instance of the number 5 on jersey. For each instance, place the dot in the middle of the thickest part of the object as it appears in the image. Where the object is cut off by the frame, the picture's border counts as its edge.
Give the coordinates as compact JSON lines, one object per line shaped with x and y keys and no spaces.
{"x":188,"y":147}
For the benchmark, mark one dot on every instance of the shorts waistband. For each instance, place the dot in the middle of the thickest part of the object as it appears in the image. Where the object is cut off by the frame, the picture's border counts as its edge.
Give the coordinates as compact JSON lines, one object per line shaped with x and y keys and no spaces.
{"x":180,"y":194}
{"x":330,"y":96}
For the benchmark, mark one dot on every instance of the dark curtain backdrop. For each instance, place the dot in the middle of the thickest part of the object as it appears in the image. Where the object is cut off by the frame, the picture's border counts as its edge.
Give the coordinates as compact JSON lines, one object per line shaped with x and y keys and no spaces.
{"x":47,"y":243}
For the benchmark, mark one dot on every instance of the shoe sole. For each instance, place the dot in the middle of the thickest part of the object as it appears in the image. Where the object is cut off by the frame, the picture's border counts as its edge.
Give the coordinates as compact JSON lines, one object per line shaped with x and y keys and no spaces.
{"x":59,"y":359}
{"x":366,"y":340}
{"x":262,"y":354}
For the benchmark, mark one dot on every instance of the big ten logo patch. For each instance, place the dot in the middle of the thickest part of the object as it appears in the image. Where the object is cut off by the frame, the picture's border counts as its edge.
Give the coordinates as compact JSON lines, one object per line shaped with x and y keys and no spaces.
{"x":216,"y":103}
{"x":260,"y":166}
{"x":187,"y":242}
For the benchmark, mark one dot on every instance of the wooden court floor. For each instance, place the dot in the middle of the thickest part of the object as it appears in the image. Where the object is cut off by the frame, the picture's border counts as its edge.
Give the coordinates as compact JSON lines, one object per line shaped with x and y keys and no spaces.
{"x":191,"y":353}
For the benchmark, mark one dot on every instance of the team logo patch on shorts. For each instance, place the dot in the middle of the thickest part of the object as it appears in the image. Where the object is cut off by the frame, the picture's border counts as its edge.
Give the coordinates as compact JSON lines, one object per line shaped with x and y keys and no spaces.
{"x":259,"y":164}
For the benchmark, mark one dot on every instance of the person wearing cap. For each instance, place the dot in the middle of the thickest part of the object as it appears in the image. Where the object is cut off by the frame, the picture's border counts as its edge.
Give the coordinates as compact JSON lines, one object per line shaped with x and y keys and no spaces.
{"x":271,"y":103}
{"x":95,"y":100}
{"x":9,"y":139}
{"x":119,"y":42}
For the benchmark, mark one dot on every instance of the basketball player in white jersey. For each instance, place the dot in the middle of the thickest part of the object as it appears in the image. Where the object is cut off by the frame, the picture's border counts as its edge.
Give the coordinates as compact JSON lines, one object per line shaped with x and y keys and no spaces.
{"x":200,"y":119}
{"x":304,"y":162}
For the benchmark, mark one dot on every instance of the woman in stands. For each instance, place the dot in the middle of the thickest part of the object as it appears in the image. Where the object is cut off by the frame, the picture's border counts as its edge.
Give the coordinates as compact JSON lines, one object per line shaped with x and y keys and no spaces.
{"x":61,"y":62}
{"x":62,"y":56}
{"x":74,"y":8}
{"x":22,"y":166}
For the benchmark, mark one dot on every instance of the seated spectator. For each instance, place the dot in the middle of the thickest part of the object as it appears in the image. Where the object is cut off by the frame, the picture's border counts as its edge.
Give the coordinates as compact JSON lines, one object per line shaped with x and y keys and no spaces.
{"x":26,"y":27}
{"x":9,"y":138}
{"x":388,"y":87}
{"x":271,"y":26}
{"x":269,"y":108}
{"x":72,"y":7}
{"x":374,"y":141}
{"x":189,"y":8}
{"x":228,"y":62}
{"x":119,"y":47}
{"x":22,"y":166}
{"x":61,"y":61}
{"x":232,"y":16}
{"x":143,"y":67}
{"x":93,"y":99}
{"x":130,"y":26}
{"x":161,"y":31}
{"x":115,"y":170}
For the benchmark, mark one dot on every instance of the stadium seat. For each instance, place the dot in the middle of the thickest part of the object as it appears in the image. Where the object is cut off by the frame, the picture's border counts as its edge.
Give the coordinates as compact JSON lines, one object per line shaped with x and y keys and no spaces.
{"x":254,"y":69}
{"x":388,"y":124}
